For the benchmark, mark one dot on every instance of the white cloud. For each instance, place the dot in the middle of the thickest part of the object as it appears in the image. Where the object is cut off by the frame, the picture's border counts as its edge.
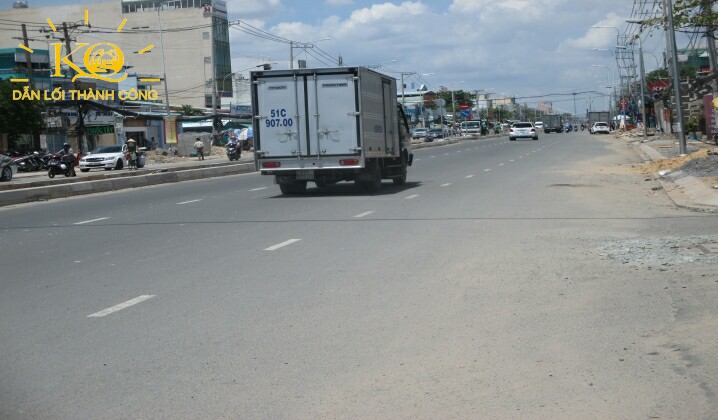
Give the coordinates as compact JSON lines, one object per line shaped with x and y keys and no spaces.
{"x":477,"y":41}
{"x":598,"y":37}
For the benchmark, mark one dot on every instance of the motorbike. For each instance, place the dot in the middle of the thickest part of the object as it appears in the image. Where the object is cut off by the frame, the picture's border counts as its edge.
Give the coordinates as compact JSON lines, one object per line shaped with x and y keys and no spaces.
{"x":60,"y":164}
{"x":233,"y":151}
{"x":27,"y":163}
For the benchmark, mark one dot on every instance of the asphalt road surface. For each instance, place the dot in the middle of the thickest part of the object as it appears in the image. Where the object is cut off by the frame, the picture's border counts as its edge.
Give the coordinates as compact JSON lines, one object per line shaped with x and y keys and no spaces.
{"x":535,"y":279}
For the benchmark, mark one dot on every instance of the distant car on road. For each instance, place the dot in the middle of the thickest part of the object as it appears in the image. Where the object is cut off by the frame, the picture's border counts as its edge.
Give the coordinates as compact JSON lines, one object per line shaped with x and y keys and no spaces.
{"x":419,"y":133}
{"x":434,"y":133}
{"x":600,"y":127}
{"x":538,"y":125}
{"x":522,"y":130}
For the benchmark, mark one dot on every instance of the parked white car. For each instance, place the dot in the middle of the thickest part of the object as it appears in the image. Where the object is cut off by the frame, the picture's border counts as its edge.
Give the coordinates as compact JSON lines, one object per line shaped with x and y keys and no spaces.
{"x":107,"y":158}
{"x":600,"y":127}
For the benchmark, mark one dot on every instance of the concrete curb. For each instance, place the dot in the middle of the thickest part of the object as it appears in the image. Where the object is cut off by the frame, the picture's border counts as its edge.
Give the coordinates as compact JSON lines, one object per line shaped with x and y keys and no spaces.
{"x":686,"y":192}
{"x":48,"y":192}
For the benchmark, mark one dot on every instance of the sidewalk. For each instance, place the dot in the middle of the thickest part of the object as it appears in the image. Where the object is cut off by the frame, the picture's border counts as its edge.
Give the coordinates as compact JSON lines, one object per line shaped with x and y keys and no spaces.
{"x":37,"y":186}
{"x":691,"y":181}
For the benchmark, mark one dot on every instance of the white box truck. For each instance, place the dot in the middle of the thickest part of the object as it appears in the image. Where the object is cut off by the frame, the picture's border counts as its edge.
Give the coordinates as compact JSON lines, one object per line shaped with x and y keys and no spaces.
{"x":329,"y":125}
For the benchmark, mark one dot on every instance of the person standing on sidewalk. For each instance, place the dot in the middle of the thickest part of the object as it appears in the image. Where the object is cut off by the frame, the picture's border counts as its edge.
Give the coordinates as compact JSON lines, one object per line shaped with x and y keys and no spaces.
{"x":199,"y":147}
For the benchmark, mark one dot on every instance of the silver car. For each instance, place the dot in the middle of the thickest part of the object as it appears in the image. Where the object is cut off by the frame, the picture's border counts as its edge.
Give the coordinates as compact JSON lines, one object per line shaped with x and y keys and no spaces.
{"x":8,"y":168}
{"x":522,"y":130}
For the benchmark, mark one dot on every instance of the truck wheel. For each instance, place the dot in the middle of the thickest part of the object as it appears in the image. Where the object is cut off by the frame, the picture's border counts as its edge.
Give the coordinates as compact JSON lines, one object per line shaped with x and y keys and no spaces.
{"x":374,"y":184}
{"x":297,"y":187}
{"x":402,"y":179}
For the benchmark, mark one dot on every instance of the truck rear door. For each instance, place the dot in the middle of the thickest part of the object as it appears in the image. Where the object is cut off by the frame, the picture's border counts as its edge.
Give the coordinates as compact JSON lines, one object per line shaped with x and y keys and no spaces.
{"x":307,"y":115}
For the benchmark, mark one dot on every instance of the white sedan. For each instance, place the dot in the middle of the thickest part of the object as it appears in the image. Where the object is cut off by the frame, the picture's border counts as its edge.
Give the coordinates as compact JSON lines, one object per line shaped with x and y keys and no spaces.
{"x":107,"y":157}
{"x":600,"y":127}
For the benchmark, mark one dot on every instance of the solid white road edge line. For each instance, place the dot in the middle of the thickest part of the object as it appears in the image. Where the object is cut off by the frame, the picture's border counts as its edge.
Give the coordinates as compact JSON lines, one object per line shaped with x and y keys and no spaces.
{"x":283,"y":244}
{"x":90,"y":221}
{"x":121,"y":306}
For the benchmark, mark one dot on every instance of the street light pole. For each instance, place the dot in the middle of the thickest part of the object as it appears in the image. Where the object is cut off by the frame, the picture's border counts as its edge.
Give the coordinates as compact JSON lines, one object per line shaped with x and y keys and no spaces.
{"x":164,"y":67}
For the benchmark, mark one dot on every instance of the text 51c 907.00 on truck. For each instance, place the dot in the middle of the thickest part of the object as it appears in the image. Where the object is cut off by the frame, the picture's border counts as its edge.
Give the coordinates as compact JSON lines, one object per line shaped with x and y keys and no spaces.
{"x":329,"y":125}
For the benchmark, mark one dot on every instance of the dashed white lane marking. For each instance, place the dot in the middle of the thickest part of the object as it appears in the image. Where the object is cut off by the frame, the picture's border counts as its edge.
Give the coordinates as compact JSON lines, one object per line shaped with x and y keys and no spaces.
{"x":121,"y":306}
{"x":432,"y":156}
{"x":445,"y":185}
{"x":411,"y":196}
{"x":190,"y":201}
{"x":468,"y":176}
{"x":511,"y":160}
{"x":366,"y":213}
{"x":501,"y":164}
{"x":90,"y":221}
{"x":258,"y":189}
{"x":283,"y":244}
{"x":446,"y":154}
{"x":487,"y":170}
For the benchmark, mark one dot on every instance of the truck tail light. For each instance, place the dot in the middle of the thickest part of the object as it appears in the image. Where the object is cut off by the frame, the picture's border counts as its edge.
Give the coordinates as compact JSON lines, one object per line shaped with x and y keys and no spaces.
{"x":348,"y":162}
{"x":270,"y":165}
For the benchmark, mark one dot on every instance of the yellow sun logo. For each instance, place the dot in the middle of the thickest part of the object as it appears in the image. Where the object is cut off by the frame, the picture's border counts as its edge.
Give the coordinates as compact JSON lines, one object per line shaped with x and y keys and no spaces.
{"x":102,"y":61}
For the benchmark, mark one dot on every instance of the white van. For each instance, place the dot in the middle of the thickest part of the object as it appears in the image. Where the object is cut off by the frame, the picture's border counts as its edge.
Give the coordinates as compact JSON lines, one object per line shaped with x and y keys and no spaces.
{"x":471,"y":128}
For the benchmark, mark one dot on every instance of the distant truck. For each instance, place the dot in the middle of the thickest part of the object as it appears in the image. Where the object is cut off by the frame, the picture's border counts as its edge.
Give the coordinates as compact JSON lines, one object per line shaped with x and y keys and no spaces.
{"x":552,"y":122}
{"x":329,"y":125}
{"x":598,"y":116}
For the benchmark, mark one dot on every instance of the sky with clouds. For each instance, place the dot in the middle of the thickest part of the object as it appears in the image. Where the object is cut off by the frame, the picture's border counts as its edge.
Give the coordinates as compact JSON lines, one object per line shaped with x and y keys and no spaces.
{"x":523,"y":48}
{"x":527,"y":49}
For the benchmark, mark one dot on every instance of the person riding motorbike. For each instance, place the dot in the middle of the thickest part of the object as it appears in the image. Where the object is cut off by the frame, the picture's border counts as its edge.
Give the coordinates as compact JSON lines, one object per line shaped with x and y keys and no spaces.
{"x":69,"y":157}
{"x":130,"y":150}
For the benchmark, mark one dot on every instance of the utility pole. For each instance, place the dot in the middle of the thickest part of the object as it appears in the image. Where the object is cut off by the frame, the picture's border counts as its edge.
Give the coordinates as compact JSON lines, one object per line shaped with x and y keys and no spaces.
{"x":28,"y":58}
{"x":676,"y":76}
{"x":643,"y":95}
{"x":30,"y":76}
{"x":80,"y":124}
{"x":711,"y":44}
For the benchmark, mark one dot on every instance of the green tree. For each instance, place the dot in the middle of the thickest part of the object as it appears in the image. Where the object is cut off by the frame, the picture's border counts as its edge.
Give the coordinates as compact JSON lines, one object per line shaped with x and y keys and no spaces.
{"x":190,"y":110}
{"x":19,"y":117}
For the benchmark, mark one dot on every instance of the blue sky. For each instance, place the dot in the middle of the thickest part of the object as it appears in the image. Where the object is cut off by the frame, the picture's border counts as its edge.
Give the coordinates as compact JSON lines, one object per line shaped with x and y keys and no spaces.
{"x":521,"y":48}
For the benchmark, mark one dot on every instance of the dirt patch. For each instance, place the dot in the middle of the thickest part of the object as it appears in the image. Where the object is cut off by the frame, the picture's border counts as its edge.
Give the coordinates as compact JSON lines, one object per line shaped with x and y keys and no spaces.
{"x":161,"y":156}
{"x":672,"y":163}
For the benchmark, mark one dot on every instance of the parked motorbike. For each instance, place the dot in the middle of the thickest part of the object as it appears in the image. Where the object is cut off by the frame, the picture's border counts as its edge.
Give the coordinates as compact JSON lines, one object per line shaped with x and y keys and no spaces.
{"x":28,"y":163}
{"x":60,"y":164}
{"x":233,"y":151}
